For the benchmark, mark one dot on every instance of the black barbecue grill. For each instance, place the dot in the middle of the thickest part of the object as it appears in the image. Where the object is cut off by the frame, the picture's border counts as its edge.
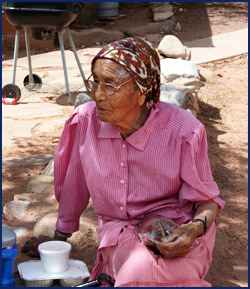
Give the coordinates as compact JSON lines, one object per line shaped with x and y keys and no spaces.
{"x":43,"y":18}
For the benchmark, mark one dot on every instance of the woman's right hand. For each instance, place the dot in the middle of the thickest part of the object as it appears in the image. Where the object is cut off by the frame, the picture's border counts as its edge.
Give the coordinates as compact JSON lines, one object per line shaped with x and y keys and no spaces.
{"x":179,"y":243}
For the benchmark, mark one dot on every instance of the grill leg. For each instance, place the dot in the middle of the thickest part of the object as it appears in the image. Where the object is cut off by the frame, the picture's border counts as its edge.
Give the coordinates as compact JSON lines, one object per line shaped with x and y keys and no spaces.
{"x":15,"y":53}
{"x":76,"y":56}
{"x":60,"y":37}
{"x":27,"y":42}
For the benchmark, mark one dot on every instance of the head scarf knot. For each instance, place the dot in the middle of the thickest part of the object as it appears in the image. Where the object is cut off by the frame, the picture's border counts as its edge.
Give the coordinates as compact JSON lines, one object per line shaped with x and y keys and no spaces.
{"x":140,"y":59}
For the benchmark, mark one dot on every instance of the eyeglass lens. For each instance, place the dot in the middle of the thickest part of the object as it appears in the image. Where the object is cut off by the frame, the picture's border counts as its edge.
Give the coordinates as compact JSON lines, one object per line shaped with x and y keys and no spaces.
{"x":107,"y":88}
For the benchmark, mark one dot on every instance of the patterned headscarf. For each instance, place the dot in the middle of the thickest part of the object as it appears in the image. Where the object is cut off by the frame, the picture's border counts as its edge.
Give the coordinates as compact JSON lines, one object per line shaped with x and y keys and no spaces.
{"x":140,"y":59}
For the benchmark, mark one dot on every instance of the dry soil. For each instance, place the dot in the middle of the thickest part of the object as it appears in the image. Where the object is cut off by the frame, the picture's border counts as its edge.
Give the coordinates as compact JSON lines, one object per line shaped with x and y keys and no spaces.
{"x":223,"y":110}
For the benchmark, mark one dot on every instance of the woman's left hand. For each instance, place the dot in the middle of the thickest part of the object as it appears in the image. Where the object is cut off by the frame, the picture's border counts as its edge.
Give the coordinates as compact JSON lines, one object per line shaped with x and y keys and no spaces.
{"x":179,"y":243}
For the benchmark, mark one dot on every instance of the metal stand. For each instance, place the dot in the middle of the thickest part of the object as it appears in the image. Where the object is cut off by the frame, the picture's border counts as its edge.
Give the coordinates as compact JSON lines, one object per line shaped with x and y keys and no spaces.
{"x":76,"y":56}
{"x":60,"y":37}
{"x":15,"y":53}
{"x":11,"y":92}
{"x":27,"y":42}
{"x":64,"y":65}
{"x":33,"y":81}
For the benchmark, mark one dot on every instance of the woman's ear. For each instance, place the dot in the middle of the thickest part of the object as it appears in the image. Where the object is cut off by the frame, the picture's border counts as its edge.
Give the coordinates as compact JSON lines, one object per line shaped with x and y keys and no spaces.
{"x":141,"y":98}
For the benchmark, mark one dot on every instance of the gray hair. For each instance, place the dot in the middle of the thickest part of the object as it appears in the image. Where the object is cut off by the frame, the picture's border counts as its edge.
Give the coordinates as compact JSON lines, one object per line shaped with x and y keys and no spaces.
{"x":124,"y":73}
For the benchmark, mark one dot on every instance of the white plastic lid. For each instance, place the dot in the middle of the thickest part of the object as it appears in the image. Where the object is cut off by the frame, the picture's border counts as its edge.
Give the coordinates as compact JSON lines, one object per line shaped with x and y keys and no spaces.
{"x":8,"y":238}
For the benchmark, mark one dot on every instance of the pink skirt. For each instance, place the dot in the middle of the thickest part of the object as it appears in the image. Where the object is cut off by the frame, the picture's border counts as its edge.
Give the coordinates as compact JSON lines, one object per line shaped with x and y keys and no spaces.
{"x":131,"y":264}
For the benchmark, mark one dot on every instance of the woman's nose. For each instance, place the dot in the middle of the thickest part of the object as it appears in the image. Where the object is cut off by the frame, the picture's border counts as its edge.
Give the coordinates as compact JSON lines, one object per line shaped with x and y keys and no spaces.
{"x":99,"y":94}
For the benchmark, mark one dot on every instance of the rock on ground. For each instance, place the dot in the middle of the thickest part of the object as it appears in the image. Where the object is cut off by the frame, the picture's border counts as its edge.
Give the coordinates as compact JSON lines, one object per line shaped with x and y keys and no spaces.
{"x":162,"y":7}
{"x":188,"y":53}
{"x":205,"y":73}
{"x":49,"y":170}
{"x":82,"y":98}
{"x":180,"y":84}
{"x":35,"y":197}
{"x":171,"y":46}
{"x":28,"y":211}
{"x":15,"y":209}
{"x":40,"y":184}
{"x":162,"y":16}
{"x":185,"y":97}
{"x":182,"y":81}
{"x":46,"y":225}
{"x":172,"y":69}
{"x":19,"y":231}
{"x":154,"y":38}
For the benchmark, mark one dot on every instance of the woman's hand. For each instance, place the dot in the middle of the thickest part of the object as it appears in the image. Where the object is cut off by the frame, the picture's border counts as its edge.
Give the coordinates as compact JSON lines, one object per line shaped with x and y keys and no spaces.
{"x":179,"y":243}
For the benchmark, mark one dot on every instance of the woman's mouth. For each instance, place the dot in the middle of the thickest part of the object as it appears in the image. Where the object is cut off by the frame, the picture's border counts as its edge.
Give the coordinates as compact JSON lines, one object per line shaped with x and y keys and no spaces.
{"x":101,"y":109}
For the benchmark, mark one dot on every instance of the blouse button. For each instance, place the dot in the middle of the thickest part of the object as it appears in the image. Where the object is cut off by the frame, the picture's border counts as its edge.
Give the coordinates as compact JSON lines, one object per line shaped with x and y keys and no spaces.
{"x":124,"y":146}
{"x":122,"y":181}
{"x":121,"y":208}
{"x":122,"y":164}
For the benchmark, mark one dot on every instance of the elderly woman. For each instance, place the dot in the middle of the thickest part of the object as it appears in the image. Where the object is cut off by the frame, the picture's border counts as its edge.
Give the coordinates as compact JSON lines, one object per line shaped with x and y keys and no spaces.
{"x":137,"y":157}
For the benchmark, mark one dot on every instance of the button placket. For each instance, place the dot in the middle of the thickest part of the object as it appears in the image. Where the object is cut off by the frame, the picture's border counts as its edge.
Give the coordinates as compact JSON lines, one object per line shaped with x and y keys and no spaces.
{"x":124,"y":178}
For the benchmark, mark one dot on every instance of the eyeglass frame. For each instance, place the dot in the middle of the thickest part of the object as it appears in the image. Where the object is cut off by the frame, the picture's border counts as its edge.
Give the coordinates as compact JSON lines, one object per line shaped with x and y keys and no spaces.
{"x":115,"y":87}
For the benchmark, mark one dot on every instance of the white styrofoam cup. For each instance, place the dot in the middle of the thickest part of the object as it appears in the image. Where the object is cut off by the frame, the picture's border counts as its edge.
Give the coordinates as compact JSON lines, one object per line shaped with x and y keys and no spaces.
{"x":54,"y":256}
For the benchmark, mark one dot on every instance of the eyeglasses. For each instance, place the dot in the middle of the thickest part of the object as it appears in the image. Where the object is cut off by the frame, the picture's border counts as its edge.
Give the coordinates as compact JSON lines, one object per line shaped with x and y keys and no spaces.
{"x":107,"y":88}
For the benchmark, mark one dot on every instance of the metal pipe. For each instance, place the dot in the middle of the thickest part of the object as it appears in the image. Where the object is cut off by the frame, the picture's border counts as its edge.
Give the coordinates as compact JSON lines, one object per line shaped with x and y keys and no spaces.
{"x":76,"y":56}
{"x":15,"y":54}
{"x":27,"y":42}
{"x":60,"y":37}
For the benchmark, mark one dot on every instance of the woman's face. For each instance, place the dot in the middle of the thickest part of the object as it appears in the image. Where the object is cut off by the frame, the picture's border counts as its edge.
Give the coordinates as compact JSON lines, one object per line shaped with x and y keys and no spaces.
{"x":121,"y":107}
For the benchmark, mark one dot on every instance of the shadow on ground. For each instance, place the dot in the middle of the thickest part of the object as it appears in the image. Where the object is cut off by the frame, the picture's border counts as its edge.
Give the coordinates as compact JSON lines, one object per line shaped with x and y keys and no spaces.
{"x":230,"y":219}
{"x":199,"y":10}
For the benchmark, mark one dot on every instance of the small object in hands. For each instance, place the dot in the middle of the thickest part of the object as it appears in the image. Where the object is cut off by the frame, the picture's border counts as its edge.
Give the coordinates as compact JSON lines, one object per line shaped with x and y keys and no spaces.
{"x":168,"y":232}
{"x":54,"y":256}
{"x":152,"y":230}
{"x":171,"y":238}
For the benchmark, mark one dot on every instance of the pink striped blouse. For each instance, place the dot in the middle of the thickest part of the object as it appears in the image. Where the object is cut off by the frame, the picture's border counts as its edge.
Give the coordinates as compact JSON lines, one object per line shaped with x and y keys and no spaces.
{"x":161,"y":169}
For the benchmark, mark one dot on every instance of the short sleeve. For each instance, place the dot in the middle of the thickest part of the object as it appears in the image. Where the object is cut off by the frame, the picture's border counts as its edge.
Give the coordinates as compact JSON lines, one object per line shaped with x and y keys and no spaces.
{"x":198,"y":184}
{"x":70,"y":187}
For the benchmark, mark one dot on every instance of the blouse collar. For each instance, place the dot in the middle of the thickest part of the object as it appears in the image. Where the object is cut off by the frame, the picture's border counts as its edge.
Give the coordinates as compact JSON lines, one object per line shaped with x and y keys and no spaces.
{"x":138,"y":139}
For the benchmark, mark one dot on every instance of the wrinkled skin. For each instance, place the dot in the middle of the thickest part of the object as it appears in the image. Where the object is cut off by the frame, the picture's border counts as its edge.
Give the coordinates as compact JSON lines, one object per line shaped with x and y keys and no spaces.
{"x":179,"y":247}
{"x":126,"y":108}
{"x":179,"y":243}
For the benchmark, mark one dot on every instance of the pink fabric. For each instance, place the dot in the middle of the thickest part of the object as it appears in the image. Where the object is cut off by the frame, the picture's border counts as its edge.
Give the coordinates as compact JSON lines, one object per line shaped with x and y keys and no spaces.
{"x":131,"y":264}
{"x":161,"y":169}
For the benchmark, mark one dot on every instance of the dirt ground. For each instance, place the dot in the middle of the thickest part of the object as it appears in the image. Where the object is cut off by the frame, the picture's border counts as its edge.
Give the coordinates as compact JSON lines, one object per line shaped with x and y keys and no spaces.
{"x":223,"y":110}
